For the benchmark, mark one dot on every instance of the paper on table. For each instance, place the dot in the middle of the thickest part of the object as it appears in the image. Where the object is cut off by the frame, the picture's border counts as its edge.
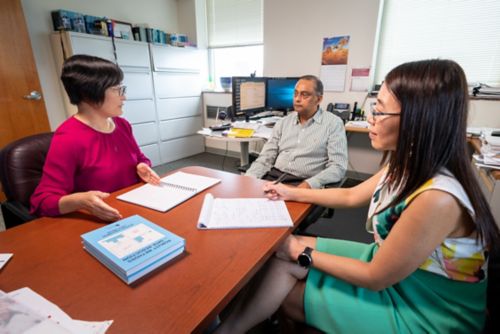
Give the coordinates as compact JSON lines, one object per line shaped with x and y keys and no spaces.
{"x":4,"y":258}
{"x":220,"y":213}
{"x":173,"y":190}
{"x":54,"y":319}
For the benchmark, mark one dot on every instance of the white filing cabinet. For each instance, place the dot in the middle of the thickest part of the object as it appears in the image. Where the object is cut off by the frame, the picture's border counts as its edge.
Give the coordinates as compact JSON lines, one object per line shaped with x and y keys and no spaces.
{"x":177,"y":83}
{"x":163,"y":91}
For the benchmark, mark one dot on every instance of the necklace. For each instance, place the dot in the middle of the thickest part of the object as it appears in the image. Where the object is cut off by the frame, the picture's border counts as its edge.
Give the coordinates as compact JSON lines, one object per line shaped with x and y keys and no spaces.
{"x":107,"y":127}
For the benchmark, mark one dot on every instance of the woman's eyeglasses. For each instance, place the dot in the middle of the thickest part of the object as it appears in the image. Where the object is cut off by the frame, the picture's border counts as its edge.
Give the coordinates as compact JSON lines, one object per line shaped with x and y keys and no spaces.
{"x":379,"y":114}
{"x":120,"y":89}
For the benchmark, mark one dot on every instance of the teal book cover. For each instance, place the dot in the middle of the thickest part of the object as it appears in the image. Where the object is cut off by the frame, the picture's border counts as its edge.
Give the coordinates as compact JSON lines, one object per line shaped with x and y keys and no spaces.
{"x":132,"y":245}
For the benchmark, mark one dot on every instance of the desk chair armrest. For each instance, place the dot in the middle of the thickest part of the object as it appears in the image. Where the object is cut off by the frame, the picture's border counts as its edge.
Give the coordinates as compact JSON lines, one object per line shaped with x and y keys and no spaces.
{"x":14,"y":213}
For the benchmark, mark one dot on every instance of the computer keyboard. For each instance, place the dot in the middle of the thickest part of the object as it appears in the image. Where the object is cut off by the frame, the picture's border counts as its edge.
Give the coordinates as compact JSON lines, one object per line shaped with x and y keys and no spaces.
{"x":267,"y":113}
{"x":220,"y":127}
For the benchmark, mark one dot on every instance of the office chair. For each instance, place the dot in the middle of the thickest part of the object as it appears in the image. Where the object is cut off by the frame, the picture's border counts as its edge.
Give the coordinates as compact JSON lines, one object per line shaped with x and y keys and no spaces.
{"x":21,"y":167}
{"x":317,"y":212}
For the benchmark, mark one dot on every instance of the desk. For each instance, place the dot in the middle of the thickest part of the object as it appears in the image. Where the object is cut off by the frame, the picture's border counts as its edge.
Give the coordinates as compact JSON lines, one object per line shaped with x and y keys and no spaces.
{"x":182,"y":297}
{"x":356,"y":129}
{"x":244,"y":145}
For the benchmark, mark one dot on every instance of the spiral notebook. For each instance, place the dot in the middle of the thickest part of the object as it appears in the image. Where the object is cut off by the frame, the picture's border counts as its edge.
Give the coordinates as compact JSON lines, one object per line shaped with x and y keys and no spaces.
{"x":173,"y":190}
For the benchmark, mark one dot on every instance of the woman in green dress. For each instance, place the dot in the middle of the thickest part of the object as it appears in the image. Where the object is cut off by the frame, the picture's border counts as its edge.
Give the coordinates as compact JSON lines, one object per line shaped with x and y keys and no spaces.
{"x":432,"y":227}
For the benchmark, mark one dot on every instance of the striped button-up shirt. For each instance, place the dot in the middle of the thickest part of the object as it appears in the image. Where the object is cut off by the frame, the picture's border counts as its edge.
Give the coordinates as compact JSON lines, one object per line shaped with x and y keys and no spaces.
{"x":315,"y":151}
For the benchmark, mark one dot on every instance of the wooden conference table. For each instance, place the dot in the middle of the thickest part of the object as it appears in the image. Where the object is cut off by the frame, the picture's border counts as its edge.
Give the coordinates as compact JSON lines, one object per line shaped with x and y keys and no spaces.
{"x":183,"y":296}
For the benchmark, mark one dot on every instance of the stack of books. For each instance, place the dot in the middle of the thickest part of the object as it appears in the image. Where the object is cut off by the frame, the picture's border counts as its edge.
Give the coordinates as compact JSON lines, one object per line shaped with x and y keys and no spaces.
{"x":132,"y":247}
{"x":489,"y":156}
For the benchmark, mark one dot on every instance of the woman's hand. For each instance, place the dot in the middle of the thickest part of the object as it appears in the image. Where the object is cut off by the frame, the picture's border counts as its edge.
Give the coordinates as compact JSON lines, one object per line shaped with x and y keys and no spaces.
{"x":147,"y":174}
{"x":290,"y":249}
{"x":279,"y":191}
{"x":91,"y":201}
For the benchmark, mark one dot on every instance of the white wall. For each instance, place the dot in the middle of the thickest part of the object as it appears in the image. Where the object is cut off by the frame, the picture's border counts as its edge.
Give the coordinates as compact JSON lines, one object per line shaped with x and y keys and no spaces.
{"x":293,"y":40}
{"x":160,"y":14}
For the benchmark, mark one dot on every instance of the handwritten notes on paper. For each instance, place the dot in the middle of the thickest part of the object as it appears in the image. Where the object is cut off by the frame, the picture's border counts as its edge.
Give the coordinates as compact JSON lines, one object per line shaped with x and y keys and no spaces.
{"x":220,"y":213}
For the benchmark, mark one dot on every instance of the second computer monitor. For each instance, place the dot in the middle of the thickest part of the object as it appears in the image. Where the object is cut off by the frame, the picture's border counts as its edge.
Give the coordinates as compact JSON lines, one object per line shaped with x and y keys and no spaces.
{"x":279,"y":93}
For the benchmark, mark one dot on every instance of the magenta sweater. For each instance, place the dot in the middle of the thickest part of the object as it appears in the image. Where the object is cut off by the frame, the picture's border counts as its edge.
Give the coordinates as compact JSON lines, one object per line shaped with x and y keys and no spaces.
{"x":82,"y":159}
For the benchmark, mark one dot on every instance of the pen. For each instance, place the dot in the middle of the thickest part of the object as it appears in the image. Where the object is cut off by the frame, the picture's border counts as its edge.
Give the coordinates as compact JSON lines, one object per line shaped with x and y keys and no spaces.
{"x":278,"y":180}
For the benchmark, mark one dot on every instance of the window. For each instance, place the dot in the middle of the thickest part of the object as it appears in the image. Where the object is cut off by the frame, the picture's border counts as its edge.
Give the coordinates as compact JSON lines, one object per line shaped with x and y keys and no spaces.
{"x":235,"y":38}
{"x":466,"y":31}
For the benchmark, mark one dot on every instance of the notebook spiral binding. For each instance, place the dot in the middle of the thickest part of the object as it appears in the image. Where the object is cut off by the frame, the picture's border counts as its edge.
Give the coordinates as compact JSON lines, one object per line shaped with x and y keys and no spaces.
{"x":177,"y":186}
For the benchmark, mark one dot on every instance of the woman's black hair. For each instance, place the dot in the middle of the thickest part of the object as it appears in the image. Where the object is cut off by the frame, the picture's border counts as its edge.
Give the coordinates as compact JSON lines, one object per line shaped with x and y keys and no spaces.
{"x":434,"y":99}
{"x":86,"y":78}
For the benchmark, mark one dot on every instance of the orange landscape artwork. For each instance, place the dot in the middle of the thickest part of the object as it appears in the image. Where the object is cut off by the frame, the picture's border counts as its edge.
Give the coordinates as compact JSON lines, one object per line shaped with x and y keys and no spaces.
{"x":335,"y":51}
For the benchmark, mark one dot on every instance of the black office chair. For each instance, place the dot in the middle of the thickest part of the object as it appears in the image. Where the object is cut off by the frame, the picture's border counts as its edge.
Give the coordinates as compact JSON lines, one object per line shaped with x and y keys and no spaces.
{"x":318,"y":212}
{"x":21,"y":167}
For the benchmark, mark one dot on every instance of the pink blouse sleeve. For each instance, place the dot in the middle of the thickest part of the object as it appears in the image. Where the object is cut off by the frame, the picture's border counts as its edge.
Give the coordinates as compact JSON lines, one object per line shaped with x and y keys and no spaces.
{"x":58,"y":176}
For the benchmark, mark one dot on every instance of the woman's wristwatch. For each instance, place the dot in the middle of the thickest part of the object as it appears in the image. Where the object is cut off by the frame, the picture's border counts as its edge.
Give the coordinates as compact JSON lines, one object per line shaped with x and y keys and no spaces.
{"x":305,"y":259}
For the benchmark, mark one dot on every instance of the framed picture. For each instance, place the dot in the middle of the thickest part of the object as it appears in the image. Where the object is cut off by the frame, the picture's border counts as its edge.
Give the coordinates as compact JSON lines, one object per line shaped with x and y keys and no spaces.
{"x":122,"y":30}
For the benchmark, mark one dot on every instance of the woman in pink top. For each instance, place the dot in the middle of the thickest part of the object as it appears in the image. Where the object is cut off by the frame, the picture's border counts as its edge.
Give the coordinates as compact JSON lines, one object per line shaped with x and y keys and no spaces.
{"x":93,"y":152}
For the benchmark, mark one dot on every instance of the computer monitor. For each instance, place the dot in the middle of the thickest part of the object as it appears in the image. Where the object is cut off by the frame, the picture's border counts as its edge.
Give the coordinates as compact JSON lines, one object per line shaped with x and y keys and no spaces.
{"x":279,"y":93}
{"x":249,"y":96}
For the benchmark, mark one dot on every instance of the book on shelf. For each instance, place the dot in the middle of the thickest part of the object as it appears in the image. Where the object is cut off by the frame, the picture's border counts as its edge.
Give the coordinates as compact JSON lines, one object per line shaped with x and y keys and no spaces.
{"x":172,"y":190}
{"x":223,"y":213}
{"x":132,"y":247}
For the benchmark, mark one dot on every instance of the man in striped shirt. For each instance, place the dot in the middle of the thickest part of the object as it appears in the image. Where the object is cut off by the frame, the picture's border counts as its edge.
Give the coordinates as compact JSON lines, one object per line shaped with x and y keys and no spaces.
{"x":308,"y":148}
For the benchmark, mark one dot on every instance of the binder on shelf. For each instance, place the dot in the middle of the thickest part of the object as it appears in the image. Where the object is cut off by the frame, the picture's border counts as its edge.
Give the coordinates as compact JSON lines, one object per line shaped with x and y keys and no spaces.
{"x":173,"y":190}
{"x":132,"y":247}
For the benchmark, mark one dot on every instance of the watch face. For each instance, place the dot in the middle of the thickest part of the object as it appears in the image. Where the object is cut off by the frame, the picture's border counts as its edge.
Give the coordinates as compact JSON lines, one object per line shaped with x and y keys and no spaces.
{"x":305,"y":259}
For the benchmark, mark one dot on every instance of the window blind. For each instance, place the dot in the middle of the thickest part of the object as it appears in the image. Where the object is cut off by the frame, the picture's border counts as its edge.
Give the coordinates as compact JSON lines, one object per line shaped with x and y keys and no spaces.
{"x":466,"y":31}
{"x":234,"y":22}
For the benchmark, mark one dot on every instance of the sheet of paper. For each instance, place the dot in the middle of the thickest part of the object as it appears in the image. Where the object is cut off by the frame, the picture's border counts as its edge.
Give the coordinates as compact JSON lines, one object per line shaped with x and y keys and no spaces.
{"x":360,"y":79}
{"x":333,"y":77}
{"x":219,"y":213}
{"x":48,"y":310}
{"x":4,"y":258}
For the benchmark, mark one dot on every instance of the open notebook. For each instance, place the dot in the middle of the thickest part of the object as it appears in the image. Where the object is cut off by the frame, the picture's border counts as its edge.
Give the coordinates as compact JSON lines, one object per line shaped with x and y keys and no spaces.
{"x":173,"y":190}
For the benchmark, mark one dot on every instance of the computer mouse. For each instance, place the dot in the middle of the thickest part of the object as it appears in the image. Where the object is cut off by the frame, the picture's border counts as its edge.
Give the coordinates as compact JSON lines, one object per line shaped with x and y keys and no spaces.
{"x":495,"y":133}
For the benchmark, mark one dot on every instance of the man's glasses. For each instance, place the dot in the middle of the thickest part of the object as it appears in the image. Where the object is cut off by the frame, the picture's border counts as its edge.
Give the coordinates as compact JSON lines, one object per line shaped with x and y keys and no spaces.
{"x":122,"y":89}
{"x":304,"y":95}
